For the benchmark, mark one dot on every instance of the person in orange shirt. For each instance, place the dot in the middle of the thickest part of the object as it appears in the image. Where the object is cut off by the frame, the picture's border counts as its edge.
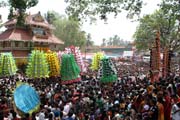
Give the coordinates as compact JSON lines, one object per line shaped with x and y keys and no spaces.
{"x":160,"y":105}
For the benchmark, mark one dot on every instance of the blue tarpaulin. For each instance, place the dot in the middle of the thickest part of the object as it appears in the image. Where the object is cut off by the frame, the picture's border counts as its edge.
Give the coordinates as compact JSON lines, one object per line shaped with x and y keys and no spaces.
{"x":26,"y":98}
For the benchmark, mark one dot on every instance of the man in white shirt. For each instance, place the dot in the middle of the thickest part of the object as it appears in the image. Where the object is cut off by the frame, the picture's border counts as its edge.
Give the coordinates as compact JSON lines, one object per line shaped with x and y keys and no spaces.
{"x":175,"y":111}
{"x":66,"y":109}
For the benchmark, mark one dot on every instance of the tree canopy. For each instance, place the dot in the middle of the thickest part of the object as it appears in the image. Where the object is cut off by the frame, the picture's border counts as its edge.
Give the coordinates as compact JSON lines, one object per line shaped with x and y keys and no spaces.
{"x":114,"y":41}
{"x":20,"y":7}
{"x":81,"y":9}
{"x":166,"y":23}
{"x":3,"y":4}
{"x":67,"y":30}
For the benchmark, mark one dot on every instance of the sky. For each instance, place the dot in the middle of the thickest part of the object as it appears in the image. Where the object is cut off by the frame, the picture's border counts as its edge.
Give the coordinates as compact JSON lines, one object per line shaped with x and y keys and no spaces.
{"x":120,"y":25}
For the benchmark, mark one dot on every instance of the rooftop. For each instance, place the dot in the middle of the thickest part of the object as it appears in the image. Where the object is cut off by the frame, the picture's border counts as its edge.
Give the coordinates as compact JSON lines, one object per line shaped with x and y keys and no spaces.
{"x":33,"y":34}
{"x":35,"y":19}
{"x":24,"y":35}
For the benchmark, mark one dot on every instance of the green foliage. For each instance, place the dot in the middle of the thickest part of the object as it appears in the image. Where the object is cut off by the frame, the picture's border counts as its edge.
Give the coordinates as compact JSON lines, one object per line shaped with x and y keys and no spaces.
{"x":11,"y":15}
{"x":52,"y":16}
{"x":89,"y":41}
{"x":3,"y":4}
{"x":68,"y":30}
{"x":171,"y":9}
{"x":0,"y":21}
{"x":158,"y":21}
{"x":37,"y":65}
{"x":21,"y":6}
{"x":114,"y":41}
{"x":81,"y":9}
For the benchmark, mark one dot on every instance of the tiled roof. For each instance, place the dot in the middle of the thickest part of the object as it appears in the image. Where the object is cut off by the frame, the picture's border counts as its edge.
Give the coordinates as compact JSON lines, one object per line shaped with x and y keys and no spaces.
{"x":10,"y":22}
{"x":15,"y":34}
{"x":24,"y":35}
{"x":29,"y":21}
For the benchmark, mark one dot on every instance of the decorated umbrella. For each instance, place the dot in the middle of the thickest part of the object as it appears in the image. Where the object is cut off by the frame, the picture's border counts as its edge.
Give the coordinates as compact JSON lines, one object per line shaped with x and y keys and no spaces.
{"x":7,"y":64}
{"x":69,"y":69}
{"x":96,"y":60}
{"x":26,"y":99}
{"x":53,"y":62}
{"x":37,"y":65}
{"x":107,"y":71}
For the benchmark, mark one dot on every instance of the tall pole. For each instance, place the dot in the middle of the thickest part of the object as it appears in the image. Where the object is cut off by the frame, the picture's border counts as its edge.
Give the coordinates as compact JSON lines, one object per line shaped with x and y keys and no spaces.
{"x":165,"y":62}
{"x":158,"y":57}
{"x":87,"y":43}
{"x":155,"y":59}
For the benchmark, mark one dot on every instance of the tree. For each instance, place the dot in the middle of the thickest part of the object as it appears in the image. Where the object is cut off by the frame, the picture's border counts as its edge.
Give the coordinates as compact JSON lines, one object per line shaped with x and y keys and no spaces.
{"x":0,"y":21}
{"x":3,"y":4}
{"x":114,"y":41}
{"x":81,"y":9}
{"x":52,"y":16}
{"x":20,"y":7}
{"x":68,"y":30}
{"x":171,"y":9}
{"x":166,"y":23}
{"x":103,"y":42}
{"x":89,"y":41}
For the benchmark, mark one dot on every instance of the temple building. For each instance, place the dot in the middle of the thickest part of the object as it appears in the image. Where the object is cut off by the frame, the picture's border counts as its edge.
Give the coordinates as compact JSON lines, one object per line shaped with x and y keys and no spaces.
{"x":36,"y":34}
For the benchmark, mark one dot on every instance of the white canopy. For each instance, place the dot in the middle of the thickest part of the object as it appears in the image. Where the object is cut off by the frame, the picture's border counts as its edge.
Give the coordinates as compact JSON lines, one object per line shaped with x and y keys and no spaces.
{"x":128,"y":54}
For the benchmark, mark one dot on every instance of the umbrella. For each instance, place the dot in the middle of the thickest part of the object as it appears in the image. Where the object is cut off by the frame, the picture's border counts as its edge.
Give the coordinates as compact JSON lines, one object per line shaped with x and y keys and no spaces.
{"x":26,"y":98}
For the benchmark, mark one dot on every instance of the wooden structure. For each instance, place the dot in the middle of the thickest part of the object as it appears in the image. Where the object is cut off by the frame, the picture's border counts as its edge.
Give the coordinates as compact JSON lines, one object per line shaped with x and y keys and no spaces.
{"x":155,"y":62}
{"x":165,"y":62}
{"x":36,"y":34}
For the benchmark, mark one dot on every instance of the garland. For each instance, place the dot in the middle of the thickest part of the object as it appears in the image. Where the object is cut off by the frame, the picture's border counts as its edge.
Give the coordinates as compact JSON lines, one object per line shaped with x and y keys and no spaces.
{"x":53,"y":62}
{"x":69,"y":69}
{"x":7,"y":65}
{"x":78,"y":57}
{"x":96,"y":60}
{"x":37,"y":65}
{"x":107,"y":72}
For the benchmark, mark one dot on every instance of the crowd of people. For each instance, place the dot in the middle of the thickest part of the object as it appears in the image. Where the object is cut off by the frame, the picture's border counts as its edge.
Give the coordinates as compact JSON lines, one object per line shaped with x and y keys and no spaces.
{"x":131,"y":97}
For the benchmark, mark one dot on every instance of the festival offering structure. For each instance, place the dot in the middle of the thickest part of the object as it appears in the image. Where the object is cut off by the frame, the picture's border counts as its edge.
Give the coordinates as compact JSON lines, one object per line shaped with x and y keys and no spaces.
{"x":53,"y":62}
{"x":96,"y":60}
{"x":7,"y":64}
{"x":26,"y":99}
{"x":77,"y":55}
{"x":107,"y":71}
{"x":59,"y":54}
{"x":37,"y":65}
{"x":69,"y":69}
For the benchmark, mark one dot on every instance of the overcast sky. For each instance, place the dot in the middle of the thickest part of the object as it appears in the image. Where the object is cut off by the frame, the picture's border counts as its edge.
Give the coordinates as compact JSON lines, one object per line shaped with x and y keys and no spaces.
{"x":120,"y":25}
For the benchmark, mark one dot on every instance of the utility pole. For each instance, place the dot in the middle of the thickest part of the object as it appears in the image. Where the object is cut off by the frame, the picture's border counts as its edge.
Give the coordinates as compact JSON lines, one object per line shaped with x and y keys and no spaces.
{"x":87,"y":43}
